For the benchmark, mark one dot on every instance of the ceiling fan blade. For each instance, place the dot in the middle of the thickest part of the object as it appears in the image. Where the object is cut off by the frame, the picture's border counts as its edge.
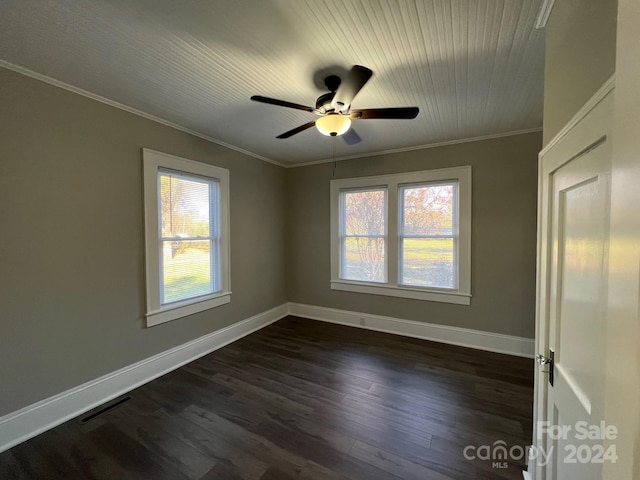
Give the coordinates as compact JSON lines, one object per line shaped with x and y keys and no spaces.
{"x":299,"y":129}
{"x":349,"y":87}
{"x":351,"y":137}
{"x":281,"y":103}
{"x":390,"y":113}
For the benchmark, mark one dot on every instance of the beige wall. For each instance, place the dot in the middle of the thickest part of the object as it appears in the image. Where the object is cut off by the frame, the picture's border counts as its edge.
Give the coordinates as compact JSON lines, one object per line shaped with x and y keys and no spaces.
{"x":503,"y":236}
{"x":71,"y":248}
{"x":622,"y":364}
{"x":580,"y":46}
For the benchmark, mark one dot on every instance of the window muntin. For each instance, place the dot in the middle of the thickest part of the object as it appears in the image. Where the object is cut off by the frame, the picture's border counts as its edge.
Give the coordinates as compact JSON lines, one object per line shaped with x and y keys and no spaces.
{"x":189,"y":236}
{"x":363,"y":235}
{"x":428,"y":233}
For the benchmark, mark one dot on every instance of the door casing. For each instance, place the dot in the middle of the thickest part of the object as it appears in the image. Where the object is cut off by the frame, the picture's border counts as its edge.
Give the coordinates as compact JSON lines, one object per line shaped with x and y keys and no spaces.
{"x":589,"y":128}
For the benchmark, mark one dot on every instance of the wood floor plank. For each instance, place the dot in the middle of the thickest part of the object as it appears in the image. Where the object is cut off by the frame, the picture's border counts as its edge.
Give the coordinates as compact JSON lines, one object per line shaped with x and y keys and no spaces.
{"x":313,"y":471}
{"x":395,"y":464}
{"x":10,"y":468}
{"x":267,"y":378}
{"x":485,"y":469}
{"x":312,"y":449}
{"x":302,"y":400}
{"x":132,"y":456}
{"x":247,"y":441}
{"x":156,"y":438}
{"x":48,"y":464}
{"x":233,"y":461}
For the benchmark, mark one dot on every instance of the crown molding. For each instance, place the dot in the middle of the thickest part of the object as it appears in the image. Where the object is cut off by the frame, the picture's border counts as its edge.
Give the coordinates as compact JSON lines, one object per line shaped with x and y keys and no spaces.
{"x":135,"y":111}
{"x":420,"y":147}
{"x":545,"y":13}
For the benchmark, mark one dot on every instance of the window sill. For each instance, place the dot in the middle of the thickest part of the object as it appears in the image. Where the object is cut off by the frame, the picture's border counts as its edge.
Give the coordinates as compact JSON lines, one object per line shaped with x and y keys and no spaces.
{"x":457,"y":298}
{"x":188,"y":307}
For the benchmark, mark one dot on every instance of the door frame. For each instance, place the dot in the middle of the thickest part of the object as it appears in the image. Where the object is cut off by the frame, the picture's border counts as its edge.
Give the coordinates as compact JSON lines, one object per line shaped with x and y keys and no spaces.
{"x":590,"y":127}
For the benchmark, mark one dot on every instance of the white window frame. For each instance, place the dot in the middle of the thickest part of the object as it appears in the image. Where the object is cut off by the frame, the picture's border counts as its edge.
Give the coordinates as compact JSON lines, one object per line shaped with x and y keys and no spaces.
{"x":153,"y":163}
{"x":460,"y":295}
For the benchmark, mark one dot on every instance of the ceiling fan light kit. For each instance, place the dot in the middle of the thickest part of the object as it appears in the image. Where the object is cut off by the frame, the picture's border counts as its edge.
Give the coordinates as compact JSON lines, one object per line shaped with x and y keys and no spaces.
{"x":333,"y":125}
{"x":334,"y":108}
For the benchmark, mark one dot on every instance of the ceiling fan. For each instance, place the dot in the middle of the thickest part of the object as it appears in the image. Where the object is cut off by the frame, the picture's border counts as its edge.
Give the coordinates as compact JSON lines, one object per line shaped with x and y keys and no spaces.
{"x":334,"y":108}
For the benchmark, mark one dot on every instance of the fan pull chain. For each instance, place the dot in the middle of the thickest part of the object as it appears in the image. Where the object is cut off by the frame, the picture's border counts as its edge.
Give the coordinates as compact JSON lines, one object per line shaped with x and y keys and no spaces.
{"x":335,"y":163}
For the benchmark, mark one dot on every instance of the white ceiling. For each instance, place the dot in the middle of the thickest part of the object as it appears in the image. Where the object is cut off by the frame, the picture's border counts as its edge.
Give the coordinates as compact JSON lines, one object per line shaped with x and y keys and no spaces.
{"x":474,"y":67}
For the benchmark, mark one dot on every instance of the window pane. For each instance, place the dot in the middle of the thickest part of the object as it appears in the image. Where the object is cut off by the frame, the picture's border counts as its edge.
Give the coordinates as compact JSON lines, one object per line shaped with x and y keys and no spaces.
{"x":428,"y":210}
{"x":364,"y":212}
{"x":428,"y":262}
{"x":187,"y":269}
{"x":185,"y":206}
{"x":363,"y":259}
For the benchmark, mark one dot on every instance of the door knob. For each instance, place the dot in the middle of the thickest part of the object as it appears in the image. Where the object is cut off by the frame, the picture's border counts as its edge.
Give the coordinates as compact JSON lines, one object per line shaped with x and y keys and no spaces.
{"x":542,"y":360}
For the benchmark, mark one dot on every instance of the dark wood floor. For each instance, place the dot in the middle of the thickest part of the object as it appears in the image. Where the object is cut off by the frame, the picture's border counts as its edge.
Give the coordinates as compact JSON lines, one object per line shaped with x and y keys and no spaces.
{"x":301,"y":400}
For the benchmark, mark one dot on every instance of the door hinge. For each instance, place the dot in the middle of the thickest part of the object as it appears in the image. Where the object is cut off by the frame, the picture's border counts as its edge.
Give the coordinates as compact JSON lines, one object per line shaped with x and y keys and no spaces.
{"x":542,"y":360}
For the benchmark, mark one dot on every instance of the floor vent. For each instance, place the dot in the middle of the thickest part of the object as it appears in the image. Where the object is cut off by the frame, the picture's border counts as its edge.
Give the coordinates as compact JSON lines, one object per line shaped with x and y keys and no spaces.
{"x":105,"y":407}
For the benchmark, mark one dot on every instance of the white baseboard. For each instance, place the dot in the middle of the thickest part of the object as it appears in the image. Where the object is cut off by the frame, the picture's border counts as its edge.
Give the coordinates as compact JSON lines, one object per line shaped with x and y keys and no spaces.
{"x":493,"y":342}
{"x":30,"y":421}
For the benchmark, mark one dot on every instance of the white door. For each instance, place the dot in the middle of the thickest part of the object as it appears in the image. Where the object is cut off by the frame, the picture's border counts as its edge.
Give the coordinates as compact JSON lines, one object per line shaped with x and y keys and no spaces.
{"x":575,"y":198}
{"x":577,"y":305}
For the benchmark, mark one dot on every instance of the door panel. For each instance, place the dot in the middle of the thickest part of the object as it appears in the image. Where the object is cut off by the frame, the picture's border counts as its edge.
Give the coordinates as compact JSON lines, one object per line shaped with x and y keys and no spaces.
{"x":580,"y":287}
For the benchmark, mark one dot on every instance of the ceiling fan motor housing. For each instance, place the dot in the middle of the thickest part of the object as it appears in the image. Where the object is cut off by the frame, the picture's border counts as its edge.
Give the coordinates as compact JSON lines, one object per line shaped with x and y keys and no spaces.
{"x":323,"y":104}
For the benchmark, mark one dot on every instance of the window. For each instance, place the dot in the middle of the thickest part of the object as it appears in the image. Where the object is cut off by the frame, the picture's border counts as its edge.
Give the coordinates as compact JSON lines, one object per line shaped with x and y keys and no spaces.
{"x":363,"y":235}
{"x":428,"y":234}
{"x":405,"y":235}
{"x":187,"y":236}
